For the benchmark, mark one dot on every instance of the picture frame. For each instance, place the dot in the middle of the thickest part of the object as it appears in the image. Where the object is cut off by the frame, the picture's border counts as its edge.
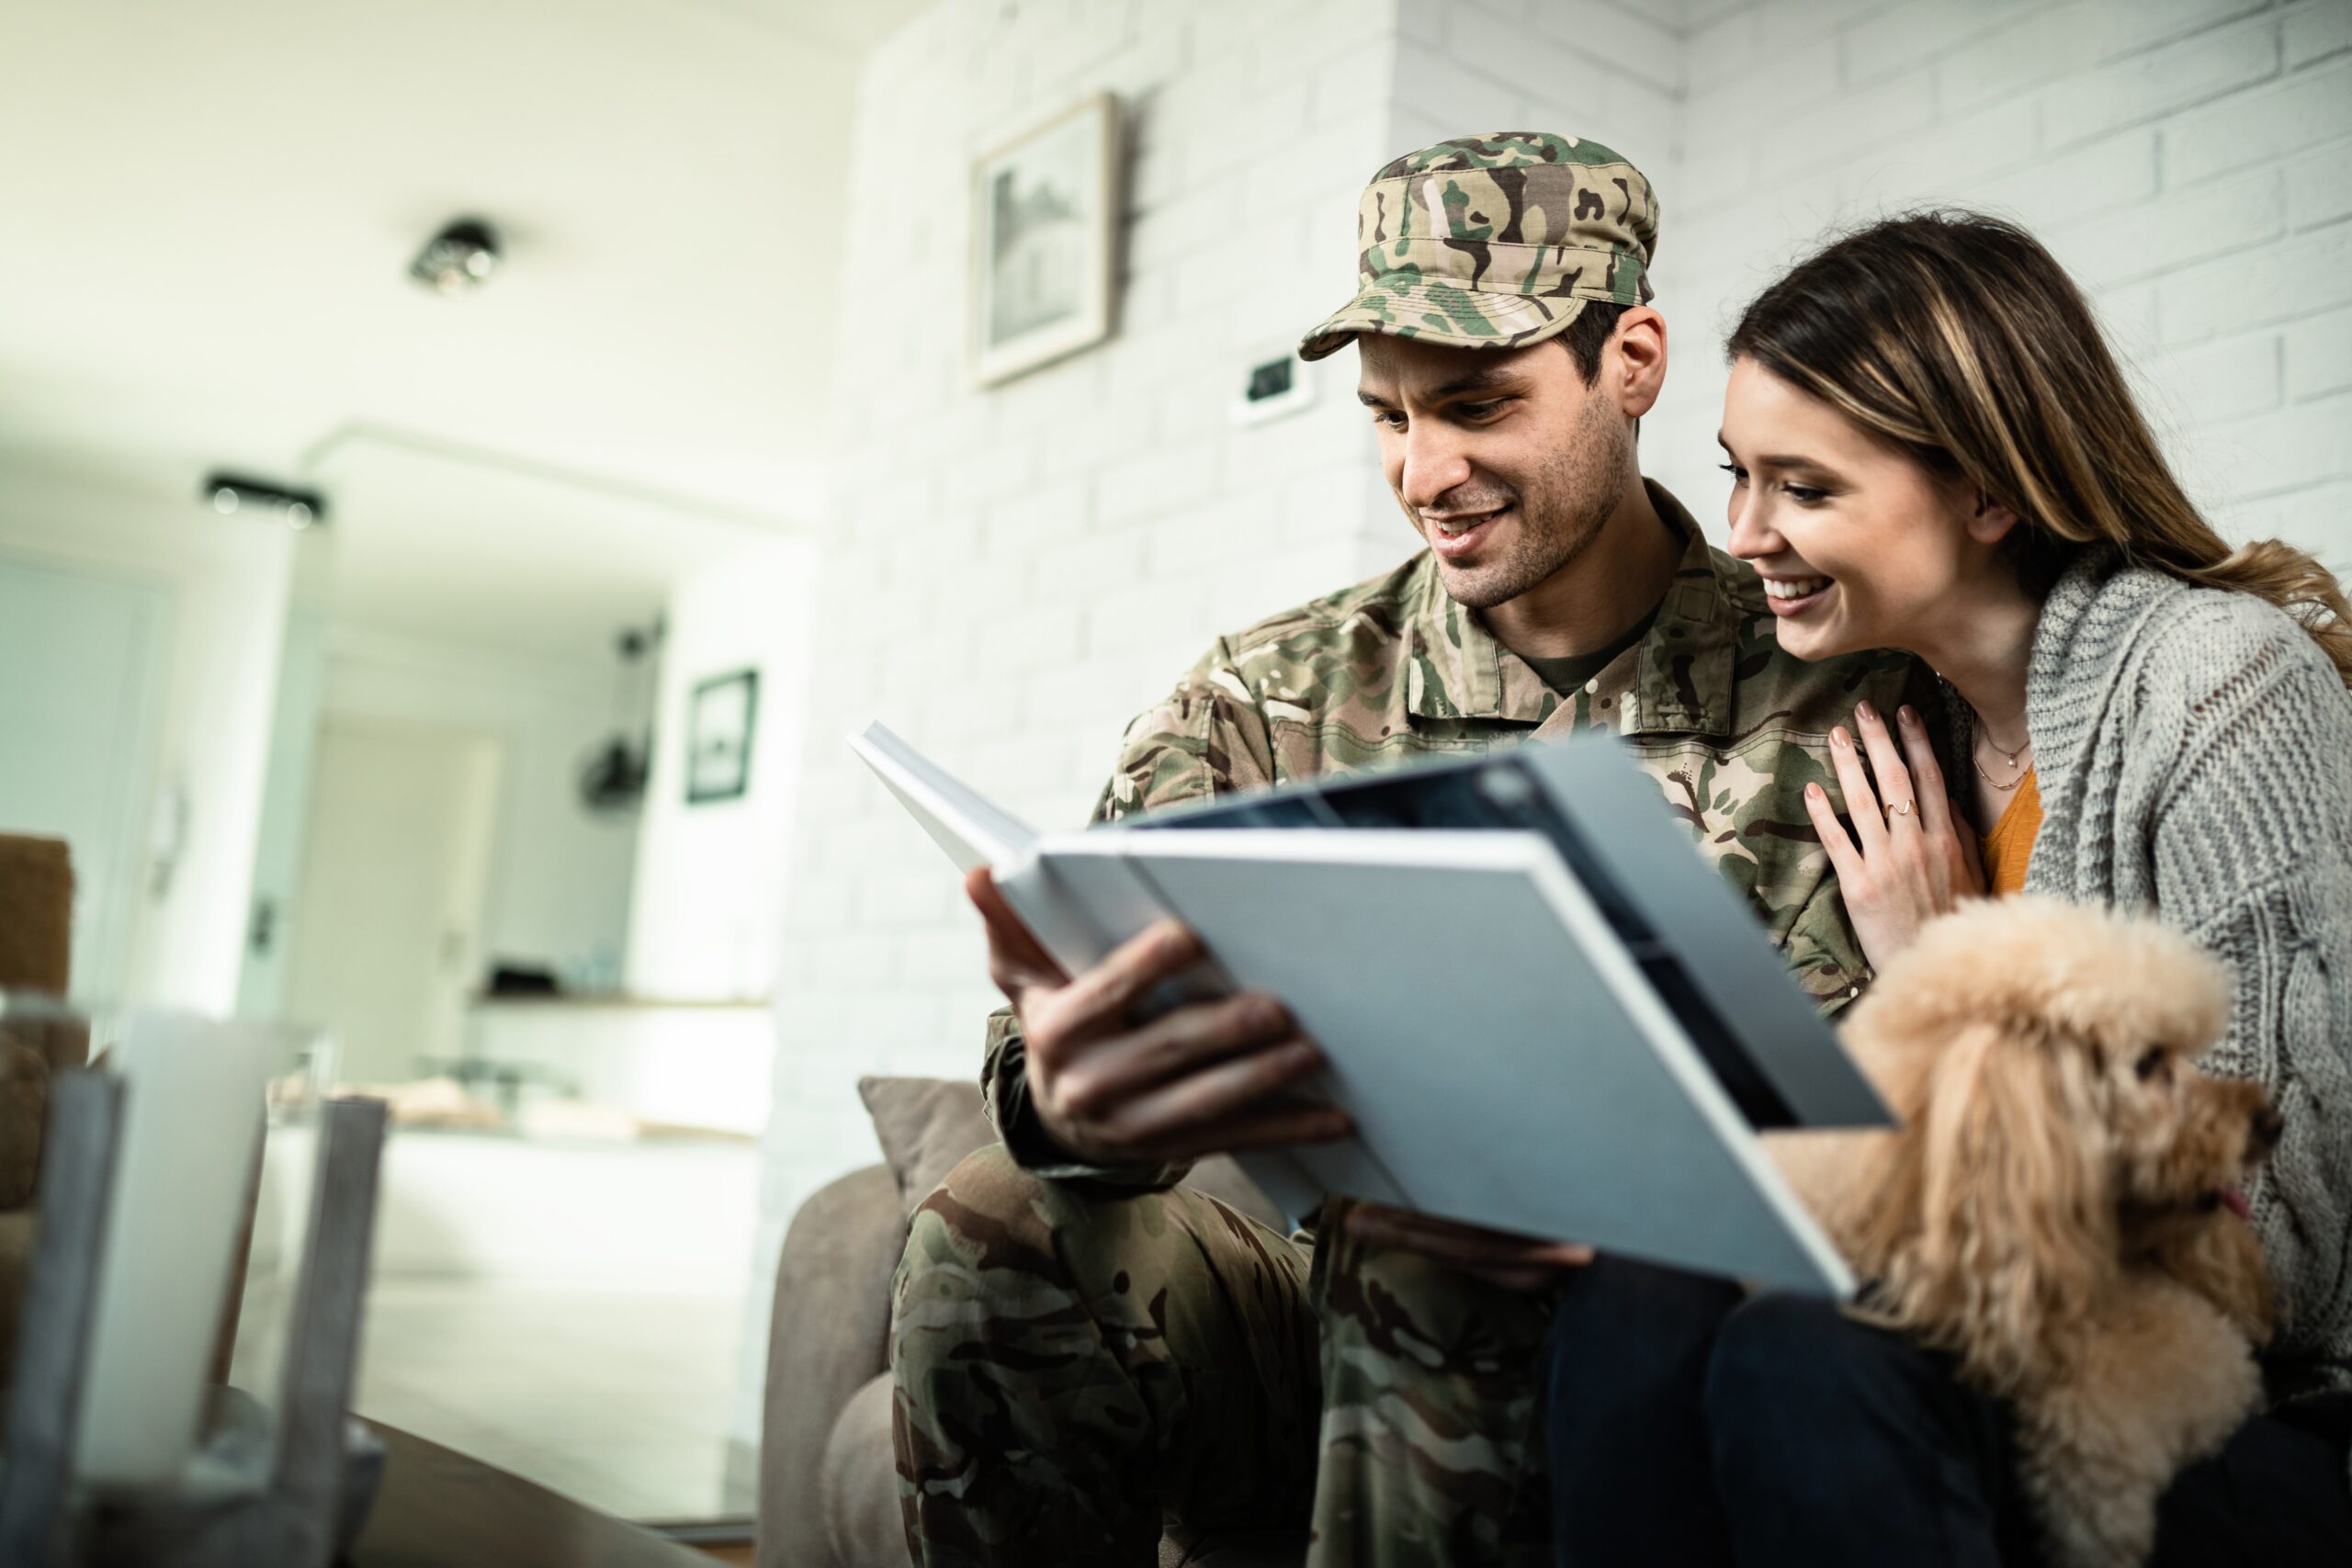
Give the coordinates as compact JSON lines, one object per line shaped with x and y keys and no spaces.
{"x":1046,"y":210}
{"x":722,"y":718}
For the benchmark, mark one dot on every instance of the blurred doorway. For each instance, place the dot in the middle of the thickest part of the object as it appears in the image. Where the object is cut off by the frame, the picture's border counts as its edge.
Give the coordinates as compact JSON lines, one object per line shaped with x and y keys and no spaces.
{"x":82,"y":672}
{"x":395,"y":859}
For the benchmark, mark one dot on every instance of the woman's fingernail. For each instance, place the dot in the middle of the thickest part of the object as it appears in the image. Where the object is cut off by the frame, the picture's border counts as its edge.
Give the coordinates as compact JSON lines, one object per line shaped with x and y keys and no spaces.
{"x":1866,"y":713}
{"x":1910,"y":715}
{"x":1814,"y":792}
{"x":1840,"y":739}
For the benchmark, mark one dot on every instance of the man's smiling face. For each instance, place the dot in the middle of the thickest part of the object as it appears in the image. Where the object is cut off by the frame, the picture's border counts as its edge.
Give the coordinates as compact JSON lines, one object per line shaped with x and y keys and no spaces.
{"x":1505,"y":460}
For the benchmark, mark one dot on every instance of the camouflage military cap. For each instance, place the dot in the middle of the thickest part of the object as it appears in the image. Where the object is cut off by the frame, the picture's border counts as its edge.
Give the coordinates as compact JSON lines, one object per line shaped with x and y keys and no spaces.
{"x":1493,"y":241}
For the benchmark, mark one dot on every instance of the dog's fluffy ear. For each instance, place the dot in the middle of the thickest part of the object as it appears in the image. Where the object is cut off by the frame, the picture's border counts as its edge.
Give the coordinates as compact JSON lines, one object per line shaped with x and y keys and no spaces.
{"x":2015,"y":1225}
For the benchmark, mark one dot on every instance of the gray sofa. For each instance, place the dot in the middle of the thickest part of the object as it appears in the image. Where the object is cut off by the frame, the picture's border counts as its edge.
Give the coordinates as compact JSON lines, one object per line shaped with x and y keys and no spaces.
{"x":828,"y":1486}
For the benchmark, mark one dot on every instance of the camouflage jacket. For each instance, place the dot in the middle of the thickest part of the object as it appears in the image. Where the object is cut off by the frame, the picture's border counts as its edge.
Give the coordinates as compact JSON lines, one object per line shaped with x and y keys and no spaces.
{"x":1393,"y":668}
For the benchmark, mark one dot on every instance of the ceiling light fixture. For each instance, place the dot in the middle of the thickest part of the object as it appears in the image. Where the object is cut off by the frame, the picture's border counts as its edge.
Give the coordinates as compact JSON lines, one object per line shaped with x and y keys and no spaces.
{"x":297,"y":509}
{"x":461,"y":256}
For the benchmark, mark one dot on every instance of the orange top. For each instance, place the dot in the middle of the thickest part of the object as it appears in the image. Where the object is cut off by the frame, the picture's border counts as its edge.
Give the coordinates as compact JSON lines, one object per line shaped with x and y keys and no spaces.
{"x":2010,"y":843}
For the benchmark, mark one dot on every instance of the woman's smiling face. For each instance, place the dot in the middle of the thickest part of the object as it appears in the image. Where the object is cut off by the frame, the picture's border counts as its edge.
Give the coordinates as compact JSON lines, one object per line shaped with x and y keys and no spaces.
{"x":1858,"y":544}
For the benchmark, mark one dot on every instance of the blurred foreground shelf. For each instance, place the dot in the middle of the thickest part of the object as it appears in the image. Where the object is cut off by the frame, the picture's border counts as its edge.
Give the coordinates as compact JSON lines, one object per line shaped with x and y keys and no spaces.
{"x":440,"y":1509}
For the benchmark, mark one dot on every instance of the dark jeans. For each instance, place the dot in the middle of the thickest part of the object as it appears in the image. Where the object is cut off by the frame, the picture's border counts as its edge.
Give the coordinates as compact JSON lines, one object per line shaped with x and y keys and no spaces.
{"x":1691,"y":1424}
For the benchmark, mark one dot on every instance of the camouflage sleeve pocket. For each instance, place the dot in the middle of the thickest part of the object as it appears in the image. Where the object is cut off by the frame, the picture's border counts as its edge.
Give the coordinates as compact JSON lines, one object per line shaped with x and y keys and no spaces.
{"x":1196,"y":743}
{"x":1824,"y":955}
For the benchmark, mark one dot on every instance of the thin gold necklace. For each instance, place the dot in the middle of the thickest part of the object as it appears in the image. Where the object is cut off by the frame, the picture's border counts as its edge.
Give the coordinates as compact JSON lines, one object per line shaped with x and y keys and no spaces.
{"x":2009,"y":756}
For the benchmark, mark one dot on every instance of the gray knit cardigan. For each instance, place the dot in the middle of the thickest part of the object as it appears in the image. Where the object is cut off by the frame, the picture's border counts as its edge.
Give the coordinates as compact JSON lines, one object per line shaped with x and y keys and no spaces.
{"x":2194,"y":749}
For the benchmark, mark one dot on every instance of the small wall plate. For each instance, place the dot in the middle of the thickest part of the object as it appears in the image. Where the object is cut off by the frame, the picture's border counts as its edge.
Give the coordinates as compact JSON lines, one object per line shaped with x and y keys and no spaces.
{"x":1274,"y":382}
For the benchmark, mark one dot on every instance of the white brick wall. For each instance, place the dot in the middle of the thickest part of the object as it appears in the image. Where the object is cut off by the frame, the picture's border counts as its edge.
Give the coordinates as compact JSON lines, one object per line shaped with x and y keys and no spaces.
{"x":1010,"y":574}
{"x":2189,"y":159}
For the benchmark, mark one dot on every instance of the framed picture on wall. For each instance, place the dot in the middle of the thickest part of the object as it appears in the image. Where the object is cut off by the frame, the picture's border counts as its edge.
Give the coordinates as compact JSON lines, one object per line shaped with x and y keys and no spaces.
{"x":719,"y":724}
{"x":1045,"y":225}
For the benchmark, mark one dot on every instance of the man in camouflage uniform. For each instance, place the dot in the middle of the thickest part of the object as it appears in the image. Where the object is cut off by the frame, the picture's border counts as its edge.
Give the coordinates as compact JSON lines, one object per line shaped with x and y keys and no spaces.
{"x":1080,"y":1344}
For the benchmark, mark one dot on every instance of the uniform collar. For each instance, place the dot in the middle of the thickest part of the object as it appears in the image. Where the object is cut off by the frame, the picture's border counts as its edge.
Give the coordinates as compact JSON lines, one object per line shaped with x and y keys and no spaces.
{"x":1679,"y":674}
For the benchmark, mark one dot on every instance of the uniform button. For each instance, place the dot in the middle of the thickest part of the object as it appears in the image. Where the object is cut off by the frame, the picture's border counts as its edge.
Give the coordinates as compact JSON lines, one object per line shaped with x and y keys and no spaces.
{"x":1592,"y":686}
{"x":1852,"y":991}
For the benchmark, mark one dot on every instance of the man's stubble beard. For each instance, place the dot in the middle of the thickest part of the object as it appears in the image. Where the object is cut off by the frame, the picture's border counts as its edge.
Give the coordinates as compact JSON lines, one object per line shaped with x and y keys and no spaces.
{"x":1561,"y":512}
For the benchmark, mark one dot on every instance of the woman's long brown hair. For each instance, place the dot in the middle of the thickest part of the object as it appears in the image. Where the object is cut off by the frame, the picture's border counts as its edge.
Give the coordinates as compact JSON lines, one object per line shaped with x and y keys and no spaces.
{"x":1957,"y":338}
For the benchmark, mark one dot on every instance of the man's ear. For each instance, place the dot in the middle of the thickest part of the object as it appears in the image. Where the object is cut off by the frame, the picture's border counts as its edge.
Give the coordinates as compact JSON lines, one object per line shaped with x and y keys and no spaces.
{"x":1989,"y":522}
{"x":1632,"y":366}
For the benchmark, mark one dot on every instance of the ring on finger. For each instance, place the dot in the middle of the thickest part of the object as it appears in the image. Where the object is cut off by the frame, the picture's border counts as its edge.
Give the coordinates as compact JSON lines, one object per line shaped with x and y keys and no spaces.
{"x":1894,"y":808}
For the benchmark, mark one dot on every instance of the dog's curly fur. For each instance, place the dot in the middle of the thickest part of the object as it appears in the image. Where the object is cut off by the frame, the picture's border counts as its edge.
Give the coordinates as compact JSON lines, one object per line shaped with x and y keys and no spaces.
{"x":2056,"y":1209}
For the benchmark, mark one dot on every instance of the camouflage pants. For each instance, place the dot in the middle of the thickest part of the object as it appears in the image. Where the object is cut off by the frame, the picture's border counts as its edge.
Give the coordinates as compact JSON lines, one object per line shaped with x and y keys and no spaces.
{"x":1074,"y":1360}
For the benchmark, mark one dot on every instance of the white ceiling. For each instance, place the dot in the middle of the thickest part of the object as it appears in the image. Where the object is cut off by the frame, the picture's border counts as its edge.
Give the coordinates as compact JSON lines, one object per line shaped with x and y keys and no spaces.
{"x":205,"y":213}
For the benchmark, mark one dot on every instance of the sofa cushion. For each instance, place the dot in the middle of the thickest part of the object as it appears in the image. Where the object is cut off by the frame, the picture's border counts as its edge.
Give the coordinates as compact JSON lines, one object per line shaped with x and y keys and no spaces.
{"x":859,"y":1484}
{"x":926,"y":1126}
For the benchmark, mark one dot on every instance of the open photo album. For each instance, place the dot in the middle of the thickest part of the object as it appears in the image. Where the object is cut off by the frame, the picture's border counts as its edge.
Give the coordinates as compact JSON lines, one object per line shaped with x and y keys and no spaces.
{"x":1542,"y":1009}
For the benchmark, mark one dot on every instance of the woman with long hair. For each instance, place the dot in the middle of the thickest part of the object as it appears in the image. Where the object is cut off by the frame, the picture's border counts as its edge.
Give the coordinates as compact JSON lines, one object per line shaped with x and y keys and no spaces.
{"x":1931,"y":447}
